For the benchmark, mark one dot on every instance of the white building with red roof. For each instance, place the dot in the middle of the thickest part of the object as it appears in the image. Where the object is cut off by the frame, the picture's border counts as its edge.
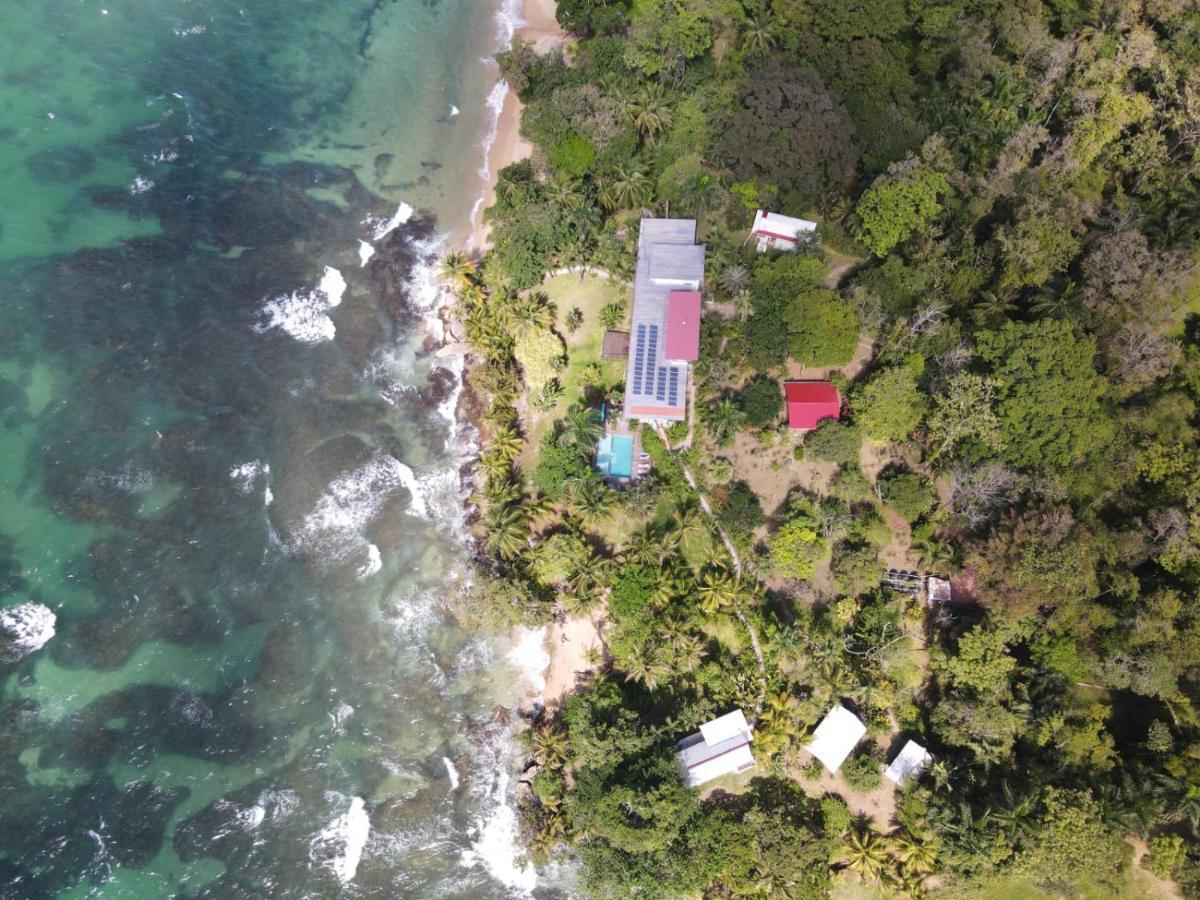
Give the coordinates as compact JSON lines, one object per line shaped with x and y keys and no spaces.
{"x":776,"y":232}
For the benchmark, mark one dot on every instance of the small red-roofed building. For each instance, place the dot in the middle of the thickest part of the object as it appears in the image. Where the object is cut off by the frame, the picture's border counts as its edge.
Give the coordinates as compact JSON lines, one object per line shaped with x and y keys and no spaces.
{"x":683,"y":326}
{"x":811,"y":402}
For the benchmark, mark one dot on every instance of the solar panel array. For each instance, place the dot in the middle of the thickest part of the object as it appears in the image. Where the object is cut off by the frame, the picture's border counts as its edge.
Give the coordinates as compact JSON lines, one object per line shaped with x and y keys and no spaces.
{"x":639,"y":358}
{"x":673,"y":387}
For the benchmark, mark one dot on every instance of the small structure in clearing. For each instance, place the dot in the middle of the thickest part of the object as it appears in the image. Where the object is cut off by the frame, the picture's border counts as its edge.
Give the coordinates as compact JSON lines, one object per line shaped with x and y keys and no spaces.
{"x":838,"y":734}
{"x":616,"y":345}
{"x":911,"y":762}
{"x":776,"y":232}
{"x":811,"y":402}
{"x":938,"y":591}
{"x":720,"y":747}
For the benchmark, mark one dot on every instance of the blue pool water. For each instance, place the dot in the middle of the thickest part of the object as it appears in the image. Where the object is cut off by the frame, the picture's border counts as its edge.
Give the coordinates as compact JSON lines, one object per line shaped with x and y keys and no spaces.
{"x":614,"y":455}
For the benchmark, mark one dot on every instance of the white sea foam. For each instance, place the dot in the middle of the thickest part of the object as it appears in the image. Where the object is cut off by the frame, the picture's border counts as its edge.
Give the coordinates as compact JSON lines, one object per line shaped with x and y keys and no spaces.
{"x":530,"y":657}
{"x":494,"y":104}
{"x":246,"y":474}
{"x":365,"y":251}
{"x":189,"y":32}
{"x":140,"y":185}
{"x":340,"y":716}
{"x":339,"y":845}
{"x":496,"y":844}
{"x":305,"y":314}
{"x":417,"y":505}
{"x":26,"y":627}
{"x":279,"y":804}
{"x":453,"y":110}
{"x":451,"y":773}
{"x":382,"y":228}
{"x":373,"y":564}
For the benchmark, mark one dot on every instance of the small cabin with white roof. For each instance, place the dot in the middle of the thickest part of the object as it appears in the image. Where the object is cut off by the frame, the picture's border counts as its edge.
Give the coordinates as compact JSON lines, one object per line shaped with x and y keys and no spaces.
{"x":775,"y":232}
{"x":838,"y":734}
{"x":910,"y":763}
{"x":720,"y":747}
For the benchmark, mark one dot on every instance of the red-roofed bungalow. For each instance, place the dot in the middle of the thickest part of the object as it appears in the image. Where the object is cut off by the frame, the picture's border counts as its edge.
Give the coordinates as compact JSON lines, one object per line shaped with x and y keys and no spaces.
{"x":811,"y":402}
{"x":683,"y":326}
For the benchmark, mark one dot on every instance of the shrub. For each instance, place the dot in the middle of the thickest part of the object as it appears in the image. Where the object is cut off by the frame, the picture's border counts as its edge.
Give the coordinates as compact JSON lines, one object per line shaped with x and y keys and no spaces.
{"x":855,"y":568}
{"x":834,"y":442}
{"x":835,"y":817}
{"x":861,"y":772}
{"x":851,"y":485}
{"x":762,"y":401}
{"x":795,"y":548}
{"x":908,"y":494}
{"x":891,"y":405}
{"x":612,"y":315}
{"x":742,"y":513}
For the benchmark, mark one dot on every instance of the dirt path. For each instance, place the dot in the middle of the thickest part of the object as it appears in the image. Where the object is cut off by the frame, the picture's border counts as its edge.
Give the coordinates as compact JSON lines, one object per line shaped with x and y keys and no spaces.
{"x":738,"y":568}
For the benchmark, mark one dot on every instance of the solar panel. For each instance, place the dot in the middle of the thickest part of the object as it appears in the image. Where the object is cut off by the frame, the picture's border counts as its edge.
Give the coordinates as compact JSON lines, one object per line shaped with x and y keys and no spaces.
{"x":673,"y":388}
{"x":639,"y":358}
{"x":660,"y":389}
{"x":651,"y":360}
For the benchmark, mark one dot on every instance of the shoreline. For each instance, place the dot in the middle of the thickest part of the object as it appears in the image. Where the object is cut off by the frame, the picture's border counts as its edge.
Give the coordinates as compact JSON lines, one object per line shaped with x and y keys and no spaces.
{"x":503,"y":145}
{"x":552,"y":657}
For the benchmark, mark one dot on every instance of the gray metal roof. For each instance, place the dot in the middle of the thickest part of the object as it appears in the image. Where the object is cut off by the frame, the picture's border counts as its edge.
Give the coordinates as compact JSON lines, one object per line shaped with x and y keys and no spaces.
{"x":668,"y":260}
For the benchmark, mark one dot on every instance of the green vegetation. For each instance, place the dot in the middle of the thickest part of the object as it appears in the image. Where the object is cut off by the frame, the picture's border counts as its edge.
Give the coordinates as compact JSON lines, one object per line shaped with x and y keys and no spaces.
{"x":1010,"y":196}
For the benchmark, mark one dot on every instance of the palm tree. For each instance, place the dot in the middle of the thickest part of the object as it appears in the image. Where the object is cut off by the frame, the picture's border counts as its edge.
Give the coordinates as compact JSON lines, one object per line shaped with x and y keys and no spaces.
{"x":866,"y":853}
{"x":563,"y":191}
{"x":551,"y":746}
{"x":581,"y":429}
{"x":1018,"y":815}
{"x":455,"y":270}
{"x":735,"y":278}
{"x":717,"y":589}
{"x":1056,"y":302}
{"x":507,"y":531}
{"x":723,"y":419}
{"x":692,"y":528}
{"x":593,"y":501}
{"x":936,"y":553}
{"x":496,"y":466}
{"x":506,"y":442}
{"x":992,"y":306}
{"x":532,"y":311}
{"x":644,"y":667}
{"x":916,"y":853}
{"x":627,"y":188}
{"x":651,"y":114}
{"x":757,"y":35}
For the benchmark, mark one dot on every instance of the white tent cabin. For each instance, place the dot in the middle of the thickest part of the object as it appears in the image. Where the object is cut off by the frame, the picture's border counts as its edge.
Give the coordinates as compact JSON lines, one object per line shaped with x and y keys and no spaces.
{"x":837,"y":735}
{"x":909,"y":763}
{"x":720,"y":747}
{"x":775,"y":232}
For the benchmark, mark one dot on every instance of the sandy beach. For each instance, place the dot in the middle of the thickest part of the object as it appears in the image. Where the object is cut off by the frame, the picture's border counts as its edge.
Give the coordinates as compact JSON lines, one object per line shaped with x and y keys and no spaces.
{"x":541,"y":29}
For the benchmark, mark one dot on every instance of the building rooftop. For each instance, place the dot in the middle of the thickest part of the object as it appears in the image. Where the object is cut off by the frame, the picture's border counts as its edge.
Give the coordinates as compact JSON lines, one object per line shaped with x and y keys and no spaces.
{"x":838,"y":734}
{"x":683,"y":325}
{"x":616,"y":345}
{"x":669,"y":260}
{"x":810,"y":402}
{"x":910,"y":763}
{"x":720,"y":747}
{"x":785,"y":228}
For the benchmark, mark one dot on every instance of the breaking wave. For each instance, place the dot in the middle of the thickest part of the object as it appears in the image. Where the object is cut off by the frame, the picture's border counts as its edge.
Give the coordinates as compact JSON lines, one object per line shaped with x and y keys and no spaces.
{"x":338,"y":846}
{"x":25,"y":629}
{"x":305,"y":314}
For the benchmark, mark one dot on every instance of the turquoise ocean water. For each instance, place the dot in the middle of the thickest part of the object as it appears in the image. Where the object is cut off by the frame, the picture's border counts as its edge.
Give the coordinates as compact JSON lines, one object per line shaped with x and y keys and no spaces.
{"x":229,"y":487}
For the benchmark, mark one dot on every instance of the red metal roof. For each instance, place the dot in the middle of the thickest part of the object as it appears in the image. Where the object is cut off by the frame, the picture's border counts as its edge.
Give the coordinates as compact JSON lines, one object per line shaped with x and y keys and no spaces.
{"x":683,"y":325}
{"x":809,"y":402}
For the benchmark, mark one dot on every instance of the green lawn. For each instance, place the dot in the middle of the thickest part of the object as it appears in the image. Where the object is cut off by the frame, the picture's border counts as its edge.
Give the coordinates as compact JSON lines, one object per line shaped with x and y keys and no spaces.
{"x":583,"y":347}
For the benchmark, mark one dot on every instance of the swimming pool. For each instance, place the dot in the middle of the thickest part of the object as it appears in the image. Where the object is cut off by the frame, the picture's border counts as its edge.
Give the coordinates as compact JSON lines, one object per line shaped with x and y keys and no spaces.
{"x":614,"y":455}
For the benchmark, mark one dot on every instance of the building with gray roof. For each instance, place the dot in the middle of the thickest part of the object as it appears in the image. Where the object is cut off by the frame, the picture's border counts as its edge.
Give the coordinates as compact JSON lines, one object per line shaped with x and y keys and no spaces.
{"x":669,"y":262}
